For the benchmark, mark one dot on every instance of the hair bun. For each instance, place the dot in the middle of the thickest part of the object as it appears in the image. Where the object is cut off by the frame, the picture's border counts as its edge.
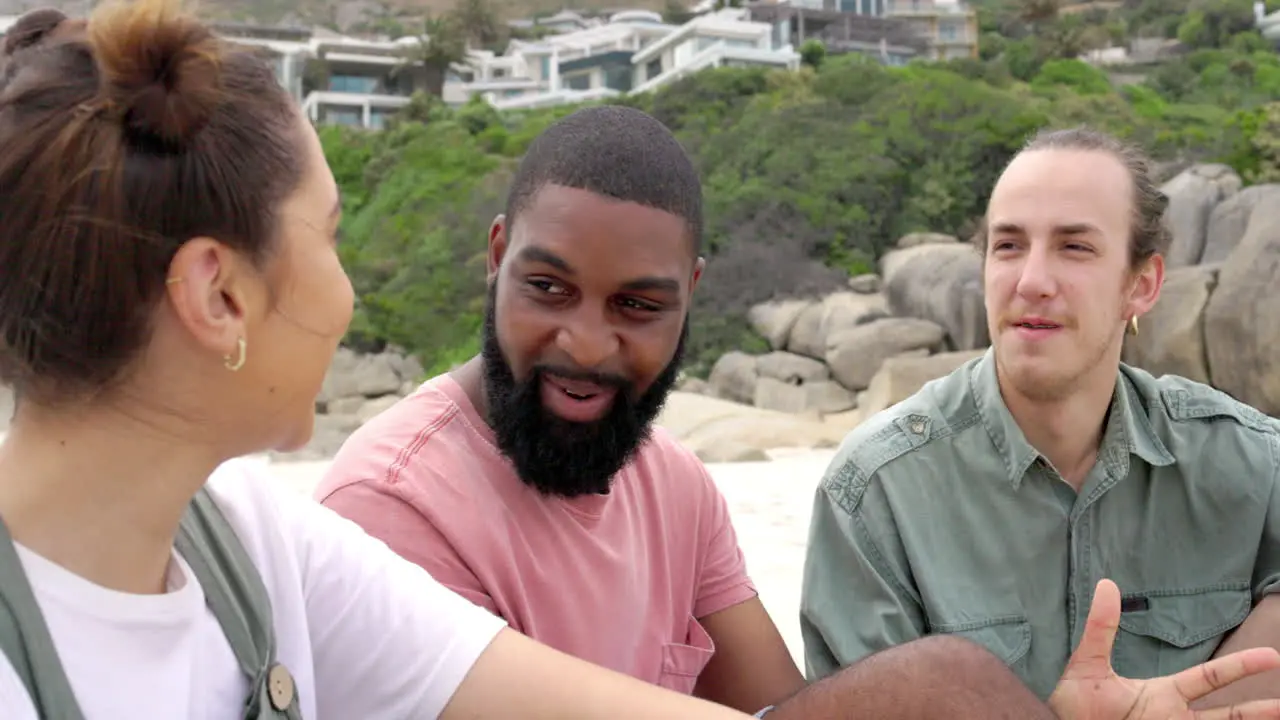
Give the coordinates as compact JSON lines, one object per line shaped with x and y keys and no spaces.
{"x":31,"y":28}
{"x":159,"y":67}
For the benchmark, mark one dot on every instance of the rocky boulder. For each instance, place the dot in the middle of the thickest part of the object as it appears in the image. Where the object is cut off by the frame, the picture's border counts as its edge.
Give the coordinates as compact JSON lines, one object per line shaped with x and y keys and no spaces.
{"x":1171,"y":338}
{"x":1193,"y":194}
{"x":356,"y":388}
{"x":940,"y":282}
{"x":1231,"y":218}
{"x":1242,"y":325}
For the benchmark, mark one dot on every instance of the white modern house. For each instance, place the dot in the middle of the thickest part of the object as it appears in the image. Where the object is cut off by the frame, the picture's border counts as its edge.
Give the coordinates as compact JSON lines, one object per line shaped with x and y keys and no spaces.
{"x":724,"y":38}
{"x":634,"y":51}
{"x":585,"y":64}
{"x":1268,"y":25}
{"x":362,"y":82}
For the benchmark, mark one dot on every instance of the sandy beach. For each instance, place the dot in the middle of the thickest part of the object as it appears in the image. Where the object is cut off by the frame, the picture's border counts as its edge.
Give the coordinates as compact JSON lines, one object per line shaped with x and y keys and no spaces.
{"x":770,"y":503}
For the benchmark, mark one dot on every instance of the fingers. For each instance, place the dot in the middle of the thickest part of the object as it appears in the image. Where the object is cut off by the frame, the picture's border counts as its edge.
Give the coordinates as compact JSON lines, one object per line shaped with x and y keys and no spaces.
{"x":1256,"y":710}
{"x":1094,"y":650}
{"x":1194,"y":683}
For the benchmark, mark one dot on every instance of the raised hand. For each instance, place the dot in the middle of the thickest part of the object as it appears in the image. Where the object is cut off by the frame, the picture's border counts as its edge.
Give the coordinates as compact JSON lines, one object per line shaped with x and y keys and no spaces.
{"x":1091,"y":690}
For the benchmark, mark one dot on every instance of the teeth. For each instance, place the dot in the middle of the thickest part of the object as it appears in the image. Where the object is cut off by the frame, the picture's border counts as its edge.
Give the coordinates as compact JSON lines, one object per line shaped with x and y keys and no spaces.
{"x":575,"y":395}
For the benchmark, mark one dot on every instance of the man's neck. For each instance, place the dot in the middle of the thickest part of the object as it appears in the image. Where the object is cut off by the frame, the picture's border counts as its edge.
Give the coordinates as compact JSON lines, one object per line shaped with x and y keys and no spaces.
{"x":1067,"y":431}
{"x":471,"y":377}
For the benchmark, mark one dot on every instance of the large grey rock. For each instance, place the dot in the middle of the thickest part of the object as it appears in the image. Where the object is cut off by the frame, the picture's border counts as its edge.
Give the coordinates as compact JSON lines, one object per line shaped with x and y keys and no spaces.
{"x":1171,"y":339}
{"x":940,"y":282}
{"x":1230,"y":219}
{"x":1193,"y":194}
{"x":1242,"y":319}
{"x":856,"y":354}
{"x":734,"y":377}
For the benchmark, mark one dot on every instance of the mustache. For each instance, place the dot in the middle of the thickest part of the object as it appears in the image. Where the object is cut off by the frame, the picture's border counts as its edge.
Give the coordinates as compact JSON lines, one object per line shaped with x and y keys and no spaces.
{"x":1015,"y":318}
{"x":568,"y":373}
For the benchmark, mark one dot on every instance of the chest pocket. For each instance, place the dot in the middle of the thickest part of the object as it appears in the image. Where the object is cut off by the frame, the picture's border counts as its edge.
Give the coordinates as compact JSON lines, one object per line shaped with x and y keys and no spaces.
{"x":683,"y":662}
{"x":1007,"y":637}
{"x":1166,"y":632}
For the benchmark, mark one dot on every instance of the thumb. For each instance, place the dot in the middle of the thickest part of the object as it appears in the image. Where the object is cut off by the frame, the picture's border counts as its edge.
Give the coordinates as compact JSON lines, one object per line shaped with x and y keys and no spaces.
{"x":1093,"y":655}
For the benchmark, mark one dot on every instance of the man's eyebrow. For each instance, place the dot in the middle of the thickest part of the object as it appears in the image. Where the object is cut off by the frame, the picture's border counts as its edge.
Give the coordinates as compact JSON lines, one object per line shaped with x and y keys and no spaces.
{"x":531,"y":253}
{"x":659,"y":284}
{"x":654,"y":283}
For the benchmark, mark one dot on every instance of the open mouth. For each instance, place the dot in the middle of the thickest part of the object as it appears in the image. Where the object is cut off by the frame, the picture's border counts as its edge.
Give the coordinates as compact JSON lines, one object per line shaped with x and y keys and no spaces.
{"x":576,"y":400}
{"x":576,"y":389}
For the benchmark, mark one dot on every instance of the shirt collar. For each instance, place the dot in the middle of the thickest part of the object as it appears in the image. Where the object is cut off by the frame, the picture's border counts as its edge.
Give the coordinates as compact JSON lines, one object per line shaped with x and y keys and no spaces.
{"x":1128,"y":432}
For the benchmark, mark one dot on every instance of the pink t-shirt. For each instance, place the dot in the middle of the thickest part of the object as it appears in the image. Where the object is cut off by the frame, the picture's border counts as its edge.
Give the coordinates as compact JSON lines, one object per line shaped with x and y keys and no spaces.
{"x":619,"y":579}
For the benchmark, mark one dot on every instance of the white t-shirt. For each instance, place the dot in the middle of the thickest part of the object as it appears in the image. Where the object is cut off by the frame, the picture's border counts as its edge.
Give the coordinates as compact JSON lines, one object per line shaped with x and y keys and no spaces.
{"x":365,"y":634}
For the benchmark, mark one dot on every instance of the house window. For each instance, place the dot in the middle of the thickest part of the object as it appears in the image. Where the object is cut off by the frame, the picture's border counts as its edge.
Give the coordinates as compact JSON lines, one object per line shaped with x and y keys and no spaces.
{"x":546,"y":67}
{"x":618,"y":78}
{"x":653,"y":69}
{"x":949,"y":31}
{"x":581,"y":81}
{"x":378,"y":118}
{"x":343,"y":116}
{"x":353,"y":84}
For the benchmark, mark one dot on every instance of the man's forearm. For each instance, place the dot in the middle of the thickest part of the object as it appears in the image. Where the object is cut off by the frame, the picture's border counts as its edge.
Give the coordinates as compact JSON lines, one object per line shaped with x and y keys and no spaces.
{"x":1260,"y":629}
{"x":937,"y":677}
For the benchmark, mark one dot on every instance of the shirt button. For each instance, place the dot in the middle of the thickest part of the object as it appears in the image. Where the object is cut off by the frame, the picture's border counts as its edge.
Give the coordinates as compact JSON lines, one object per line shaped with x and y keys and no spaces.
{"x":280,"y":687}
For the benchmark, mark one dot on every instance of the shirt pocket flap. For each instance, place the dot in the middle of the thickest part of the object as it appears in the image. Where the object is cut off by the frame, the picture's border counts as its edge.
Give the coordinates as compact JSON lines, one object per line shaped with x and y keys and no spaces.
{"x":691,"y":656}
{"x":1185,"y":619}
{"x":1007,"y":637}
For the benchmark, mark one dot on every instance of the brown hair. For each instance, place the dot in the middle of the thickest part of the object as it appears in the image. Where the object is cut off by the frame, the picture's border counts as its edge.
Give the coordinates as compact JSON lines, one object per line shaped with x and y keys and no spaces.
{"x":1148,"y":233}
{"x":123,"y":136}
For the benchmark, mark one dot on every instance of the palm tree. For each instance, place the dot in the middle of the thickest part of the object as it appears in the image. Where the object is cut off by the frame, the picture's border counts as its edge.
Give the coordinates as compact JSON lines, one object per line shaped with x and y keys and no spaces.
{"x":478,"y":22}
{"x":441,"y":44}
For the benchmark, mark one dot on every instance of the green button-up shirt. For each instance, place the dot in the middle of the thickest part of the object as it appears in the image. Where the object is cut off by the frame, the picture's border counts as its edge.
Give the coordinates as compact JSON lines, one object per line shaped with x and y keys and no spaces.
{"x":937,"y":516}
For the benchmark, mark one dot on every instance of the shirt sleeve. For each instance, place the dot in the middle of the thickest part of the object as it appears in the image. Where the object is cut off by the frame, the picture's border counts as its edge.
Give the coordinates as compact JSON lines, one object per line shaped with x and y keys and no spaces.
{"x":1266,"y":571}
{"x":724,"y":581}
{"x":388,"y":640}
{"x":854,"y":600}
{"x":385,"y":515}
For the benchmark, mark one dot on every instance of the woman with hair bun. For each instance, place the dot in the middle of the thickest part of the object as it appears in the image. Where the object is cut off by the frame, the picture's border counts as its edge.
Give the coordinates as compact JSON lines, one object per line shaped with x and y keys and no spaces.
{"x":170,"y":299}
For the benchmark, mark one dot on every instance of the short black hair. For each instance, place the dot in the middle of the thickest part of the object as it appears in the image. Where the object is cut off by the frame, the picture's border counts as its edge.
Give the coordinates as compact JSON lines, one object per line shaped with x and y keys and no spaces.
{"x":615,"y":151}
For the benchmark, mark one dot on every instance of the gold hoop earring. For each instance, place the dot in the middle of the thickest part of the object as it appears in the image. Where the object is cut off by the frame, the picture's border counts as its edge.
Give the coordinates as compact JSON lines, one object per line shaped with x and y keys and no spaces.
{"x":239,"y":363}
{"x":1133,"y":325}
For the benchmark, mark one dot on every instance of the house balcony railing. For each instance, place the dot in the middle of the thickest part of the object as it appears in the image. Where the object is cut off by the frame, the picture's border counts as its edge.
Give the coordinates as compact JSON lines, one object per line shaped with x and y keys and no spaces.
{"x":713,"y":54}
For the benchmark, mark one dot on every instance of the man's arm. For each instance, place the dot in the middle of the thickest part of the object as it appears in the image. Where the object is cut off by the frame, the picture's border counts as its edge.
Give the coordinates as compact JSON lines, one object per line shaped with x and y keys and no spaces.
{"x":517,"y":677}
{"x":396,"y":522}
{"x":1262,"y":627}
{"x":752,"y":668}
{"x":855,"y":599}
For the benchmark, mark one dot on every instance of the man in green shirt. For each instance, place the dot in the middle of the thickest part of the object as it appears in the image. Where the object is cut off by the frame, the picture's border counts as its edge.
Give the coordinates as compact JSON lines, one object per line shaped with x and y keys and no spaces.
{"x":989,"y":504}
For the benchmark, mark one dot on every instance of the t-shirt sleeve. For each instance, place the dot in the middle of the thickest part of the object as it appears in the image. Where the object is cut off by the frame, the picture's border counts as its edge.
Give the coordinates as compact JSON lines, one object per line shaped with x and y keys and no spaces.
{"x":724,"y":581}
{"x":380,"y":510}
{"x":388,"y":640}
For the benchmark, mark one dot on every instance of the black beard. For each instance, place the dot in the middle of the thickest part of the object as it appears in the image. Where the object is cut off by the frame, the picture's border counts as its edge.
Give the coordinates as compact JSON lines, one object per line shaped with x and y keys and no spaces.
{"x":551,"y":454}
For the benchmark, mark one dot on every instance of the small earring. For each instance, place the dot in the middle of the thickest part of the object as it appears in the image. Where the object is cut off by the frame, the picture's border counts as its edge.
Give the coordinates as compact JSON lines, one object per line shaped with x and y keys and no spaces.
{"x":1133,"y":325}
{"x":239,"y":363}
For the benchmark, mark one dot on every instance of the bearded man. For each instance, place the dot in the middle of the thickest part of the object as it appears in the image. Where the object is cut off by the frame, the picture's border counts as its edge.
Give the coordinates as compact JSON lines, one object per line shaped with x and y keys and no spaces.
{"x":532,"y":481}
